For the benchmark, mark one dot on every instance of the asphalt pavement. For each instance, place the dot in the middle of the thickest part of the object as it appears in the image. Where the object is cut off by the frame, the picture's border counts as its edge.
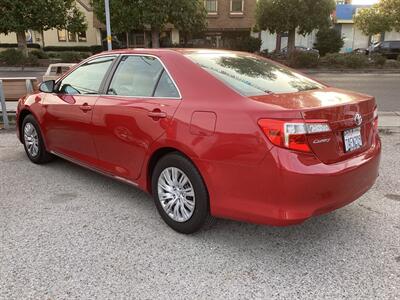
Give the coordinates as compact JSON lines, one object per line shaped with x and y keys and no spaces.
{"x":69,"y":233}
{"x":385,"y":87}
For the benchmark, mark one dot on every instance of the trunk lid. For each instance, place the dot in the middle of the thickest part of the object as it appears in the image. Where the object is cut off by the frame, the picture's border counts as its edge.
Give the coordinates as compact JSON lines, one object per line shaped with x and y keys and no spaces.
{"x":339,"y":109}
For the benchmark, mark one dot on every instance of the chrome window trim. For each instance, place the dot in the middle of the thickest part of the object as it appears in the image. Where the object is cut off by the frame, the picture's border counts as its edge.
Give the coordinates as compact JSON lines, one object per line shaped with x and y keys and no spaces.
{"x":145,"y":97}
{"x":78,"y":65}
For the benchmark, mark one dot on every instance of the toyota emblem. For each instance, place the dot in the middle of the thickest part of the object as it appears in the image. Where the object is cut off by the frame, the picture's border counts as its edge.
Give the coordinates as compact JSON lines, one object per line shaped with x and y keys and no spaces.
{"x":357,"y":119}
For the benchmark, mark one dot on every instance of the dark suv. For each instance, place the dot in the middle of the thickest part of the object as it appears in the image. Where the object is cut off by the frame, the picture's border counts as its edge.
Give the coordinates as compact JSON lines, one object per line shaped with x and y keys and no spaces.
{"x":390,"y":49}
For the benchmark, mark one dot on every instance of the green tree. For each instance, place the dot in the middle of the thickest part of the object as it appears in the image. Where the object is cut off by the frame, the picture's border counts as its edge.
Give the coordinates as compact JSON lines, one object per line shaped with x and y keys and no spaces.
{"x":19,"y":16}
{"x":124,"y":15}
{"x":189,"y":17}
{"x":280,"y":16}
{"x":328,"y":40}
{"x":380,"y":17}
{"x":128,"y":15}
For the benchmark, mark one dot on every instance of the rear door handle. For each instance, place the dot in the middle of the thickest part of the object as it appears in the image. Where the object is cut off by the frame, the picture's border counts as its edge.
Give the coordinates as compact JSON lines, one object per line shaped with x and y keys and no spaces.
{"x":157,"y":114}
{"x":85,"y":107}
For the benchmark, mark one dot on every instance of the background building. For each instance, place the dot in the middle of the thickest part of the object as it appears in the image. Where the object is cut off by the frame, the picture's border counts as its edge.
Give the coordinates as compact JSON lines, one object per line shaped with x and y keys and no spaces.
{"x":92,"y":36}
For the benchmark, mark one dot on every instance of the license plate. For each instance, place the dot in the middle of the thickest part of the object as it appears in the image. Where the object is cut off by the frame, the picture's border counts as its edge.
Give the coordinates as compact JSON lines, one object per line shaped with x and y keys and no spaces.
{"x":352,"y":139}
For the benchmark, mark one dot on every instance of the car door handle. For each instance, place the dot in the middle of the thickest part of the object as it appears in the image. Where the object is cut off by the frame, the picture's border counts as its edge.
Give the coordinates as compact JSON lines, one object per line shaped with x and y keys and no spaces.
{"x":85,"y":107}
{"x":156,"y":114}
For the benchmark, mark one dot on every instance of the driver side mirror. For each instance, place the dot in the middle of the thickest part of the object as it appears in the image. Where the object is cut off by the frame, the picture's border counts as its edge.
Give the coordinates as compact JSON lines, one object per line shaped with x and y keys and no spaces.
{"x":47,"y":86}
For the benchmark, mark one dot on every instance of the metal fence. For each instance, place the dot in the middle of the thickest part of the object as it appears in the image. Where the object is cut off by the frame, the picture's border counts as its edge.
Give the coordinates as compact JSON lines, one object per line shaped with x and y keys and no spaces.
{"x":29,"y":89}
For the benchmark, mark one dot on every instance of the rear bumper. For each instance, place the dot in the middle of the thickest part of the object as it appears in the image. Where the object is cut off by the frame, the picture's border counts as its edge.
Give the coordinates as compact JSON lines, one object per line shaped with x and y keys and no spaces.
{"x":288,"y":187}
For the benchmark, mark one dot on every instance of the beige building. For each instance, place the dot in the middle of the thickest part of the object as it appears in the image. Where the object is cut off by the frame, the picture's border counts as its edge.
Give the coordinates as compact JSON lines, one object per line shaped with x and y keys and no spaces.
{"x":54,"y":37}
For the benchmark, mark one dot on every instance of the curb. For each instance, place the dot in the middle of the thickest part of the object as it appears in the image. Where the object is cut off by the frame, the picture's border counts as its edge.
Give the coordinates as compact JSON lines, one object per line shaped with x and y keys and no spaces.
{"x":23,"y":69}
{"x":350,"y":71}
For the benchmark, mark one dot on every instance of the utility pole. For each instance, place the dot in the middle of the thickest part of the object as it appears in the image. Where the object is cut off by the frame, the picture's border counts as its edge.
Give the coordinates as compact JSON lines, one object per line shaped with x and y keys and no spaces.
{"x":108,"y":26}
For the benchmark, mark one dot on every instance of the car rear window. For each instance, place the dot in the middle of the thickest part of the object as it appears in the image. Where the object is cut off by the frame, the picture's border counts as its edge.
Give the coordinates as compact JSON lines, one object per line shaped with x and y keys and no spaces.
{"x":252,"y":76}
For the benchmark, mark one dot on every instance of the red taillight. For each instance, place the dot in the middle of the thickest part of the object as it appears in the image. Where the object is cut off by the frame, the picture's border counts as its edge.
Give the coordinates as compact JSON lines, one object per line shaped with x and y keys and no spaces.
{"x":292,"y":134}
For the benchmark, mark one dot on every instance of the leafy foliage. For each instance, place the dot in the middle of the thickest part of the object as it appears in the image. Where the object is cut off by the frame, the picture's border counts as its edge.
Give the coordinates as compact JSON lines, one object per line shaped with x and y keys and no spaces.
{"x":378,"y":59}
{"x":40,"y":15}
{"x":15,"y":57}
{"x":188,"y":16}
{"x":280,"y":16}
{"x":328,"y":40}
{"x":246,"y":43}
{"x":344,"y":60}
{"x":380,"y":17}
{"x":302,"y":59}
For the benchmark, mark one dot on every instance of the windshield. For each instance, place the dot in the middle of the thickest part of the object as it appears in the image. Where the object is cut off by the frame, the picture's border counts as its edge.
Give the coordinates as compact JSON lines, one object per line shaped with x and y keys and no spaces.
{"x":252,"y":76}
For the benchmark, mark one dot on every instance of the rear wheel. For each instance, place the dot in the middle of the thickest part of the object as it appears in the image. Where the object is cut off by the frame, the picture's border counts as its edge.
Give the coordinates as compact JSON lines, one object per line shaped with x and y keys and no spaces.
{"x":33,"y":141}
{"x":180,"y":194}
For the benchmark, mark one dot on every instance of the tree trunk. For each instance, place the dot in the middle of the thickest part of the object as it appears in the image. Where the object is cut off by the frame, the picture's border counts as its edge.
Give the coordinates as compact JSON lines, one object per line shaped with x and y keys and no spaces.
{"x":155,"y":38}
{"x":42,"y":35}
{"x":291,"y":40}
{"x":278,"y":42}
{"x":21,"y":40}
{"x":127,"y":39}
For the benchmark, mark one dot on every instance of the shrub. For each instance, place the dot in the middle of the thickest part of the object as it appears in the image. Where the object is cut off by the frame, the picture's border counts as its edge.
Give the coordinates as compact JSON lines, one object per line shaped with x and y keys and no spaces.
{"x":329,"y":40}
{"x":70,"y":56}
{"x":94,"y":48}
{"x":31,"y":60}
{"x":12,"y":57}
{"x":391,"y":63}
{"x":248,"y":44}
{"x":353,"y":60}
{"x":378,"y":59}
{"x":15,"y":45}
{"x":301,"y":59}
{"x":344,"y":60}
{"x":39,"y":54}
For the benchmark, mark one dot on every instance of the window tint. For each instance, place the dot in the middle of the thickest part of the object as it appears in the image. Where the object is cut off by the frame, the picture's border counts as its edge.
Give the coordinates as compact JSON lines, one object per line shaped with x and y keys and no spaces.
{"x":252,"y":76}
{"x":136,"y":76}
{"x":87,"y":78}
{"x":166,"y":88}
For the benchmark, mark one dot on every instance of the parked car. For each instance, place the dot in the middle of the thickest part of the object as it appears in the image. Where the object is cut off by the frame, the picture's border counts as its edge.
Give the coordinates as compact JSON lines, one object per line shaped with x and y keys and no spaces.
{"x":301,"y":48}
{"x":56,"y":70}
{"x":360,"y":51}
{"x":209,"y":133}
{"x":390,"y":49}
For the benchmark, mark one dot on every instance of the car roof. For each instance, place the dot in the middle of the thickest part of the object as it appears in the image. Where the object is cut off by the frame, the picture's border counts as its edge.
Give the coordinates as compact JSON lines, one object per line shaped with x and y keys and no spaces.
{"x":161,"y":51}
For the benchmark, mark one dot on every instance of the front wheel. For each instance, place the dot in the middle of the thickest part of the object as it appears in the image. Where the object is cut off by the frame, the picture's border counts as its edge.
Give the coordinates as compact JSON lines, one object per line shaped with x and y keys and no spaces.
{"x":180,"y":194}
{"x":33,"y":141}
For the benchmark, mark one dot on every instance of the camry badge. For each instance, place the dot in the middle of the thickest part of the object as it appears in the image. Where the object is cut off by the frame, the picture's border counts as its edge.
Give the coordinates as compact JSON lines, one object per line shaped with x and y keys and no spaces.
{"x":320,"y":141}
{"x":357,"y":119}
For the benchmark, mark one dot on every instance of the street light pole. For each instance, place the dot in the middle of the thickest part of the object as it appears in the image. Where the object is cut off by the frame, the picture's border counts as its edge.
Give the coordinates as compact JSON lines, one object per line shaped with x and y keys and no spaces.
{"x":108,"y":26}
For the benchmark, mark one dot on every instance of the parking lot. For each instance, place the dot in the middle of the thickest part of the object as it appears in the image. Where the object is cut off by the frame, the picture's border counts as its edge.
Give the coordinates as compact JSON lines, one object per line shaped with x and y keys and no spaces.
{"x":67,"y":232}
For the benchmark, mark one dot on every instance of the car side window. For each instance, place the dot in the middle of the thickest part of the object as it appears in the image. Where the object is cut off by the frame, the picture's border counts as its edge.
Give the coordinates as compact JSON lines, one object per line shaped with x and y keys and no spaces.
{"x":141,"y":76}
{"x":385,"y":45}
{"x":87,"y":78}
{"x":165,"y":87}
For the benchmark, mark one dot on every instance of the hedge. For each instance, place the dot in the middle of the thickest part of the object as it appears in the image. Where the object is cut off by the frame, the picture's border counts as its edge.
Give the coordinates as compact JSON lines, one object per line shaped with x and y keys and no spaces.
{"x":93,"y":48}
{"x":15,"y":45}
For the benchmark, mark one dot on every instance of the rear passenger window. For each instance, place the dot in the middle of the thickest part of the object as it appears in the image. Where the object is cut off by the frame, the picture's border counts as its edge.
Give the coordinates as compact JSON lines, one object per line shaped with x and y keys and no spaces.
{"x":141,"y":76}
{"x":166,"y":88}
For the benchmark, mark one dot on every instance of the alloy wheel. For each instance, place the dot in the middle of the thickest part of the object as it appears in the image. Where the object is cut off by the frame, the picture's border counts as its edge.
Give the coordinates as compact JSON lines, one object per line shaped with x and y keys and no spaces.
{"x":31,"y":139}
{"x":176,"y":194}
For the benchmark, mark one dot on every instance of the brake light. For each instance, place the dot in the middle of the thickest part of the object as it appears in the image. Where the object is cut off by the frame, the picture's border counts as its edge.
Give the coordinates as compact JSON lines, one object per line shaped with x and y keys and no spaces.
{"x":375,"y":118}
{"x":292,"y":134}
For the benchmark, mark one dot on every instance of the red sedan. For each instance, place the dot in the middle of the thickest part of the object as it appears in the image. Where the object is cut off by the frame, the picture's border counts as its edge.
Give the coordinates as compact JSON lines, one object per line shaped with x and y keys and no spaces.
{"x":209,"y":133}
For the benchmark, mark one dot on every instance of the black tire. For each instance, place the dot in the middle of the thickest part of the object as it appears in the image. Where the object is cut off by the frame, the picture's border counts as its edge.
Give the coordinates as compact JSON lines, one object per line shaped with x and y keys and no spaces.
{"x":201,"y":215}
{"x":42,"y":155}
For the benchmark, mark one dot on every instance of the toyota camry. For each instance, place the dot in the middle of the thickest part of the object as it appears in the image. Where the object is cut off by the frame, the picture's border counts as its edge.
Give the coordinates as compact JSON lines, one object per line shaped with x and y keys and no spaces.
{"x":208,"y":133}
